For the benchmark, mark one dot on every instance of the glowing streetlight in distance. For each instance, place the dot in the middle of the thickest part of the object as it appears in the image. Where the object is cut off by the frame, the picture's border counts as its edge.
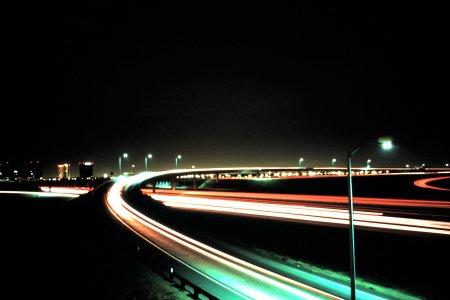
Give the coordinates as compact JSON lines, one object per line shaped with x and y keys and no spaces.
{"x":176,"y":160}
{"x":146,"y":158}
{"x":386,"y":143}
{"x":125,"y":155}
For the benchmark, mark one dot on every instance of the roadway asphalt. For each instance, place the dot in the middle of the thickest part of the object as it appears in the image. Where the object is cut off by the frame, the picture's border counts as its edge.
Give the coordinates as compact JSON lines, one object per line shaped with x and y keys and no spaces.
{"x":55,"y":249}
{"x":411,"y":263}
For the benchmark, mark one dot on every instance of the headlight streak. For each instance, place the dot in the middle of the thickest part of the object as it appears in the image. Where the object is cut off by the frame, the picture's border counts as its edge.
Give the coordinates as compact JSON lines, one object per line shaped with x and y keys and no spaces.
{"x":304,"y":213}
{"x":288,"y":208}
{"x":122,"y":215}
{"x":135,"y":219}
{"x":306,"y":198}
{"x":69,"y":190}
{"x":42,"y":194}
{"x":423,"y":183}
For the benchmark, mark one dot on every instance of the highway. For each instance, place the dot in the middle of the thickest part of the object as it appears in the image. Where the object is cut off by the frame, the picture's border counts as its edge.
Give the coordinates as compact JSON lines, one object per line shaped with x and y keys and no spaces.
{"x":234,"y":276}
{"x":309,"y":208}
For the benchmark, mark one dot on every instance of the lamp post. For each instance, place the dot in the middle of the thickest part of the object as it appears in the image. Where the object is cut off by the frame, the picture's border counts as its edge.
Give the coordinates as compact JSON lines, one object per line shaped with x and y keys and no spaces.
{"x":146,"y":158}
{"x":386,"y":143}
{"x":176,"y":160}
{"x":300,"y":162}
{"x":125,"y":155}
{"x":333,"y":162}
{"x":368,"y":163}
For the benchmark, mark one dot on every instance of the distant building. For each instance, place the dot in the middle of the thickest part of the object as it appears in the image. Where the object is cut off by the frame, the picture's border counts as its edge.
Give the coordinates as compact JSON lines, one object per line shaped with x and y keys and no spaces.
{"x":6,"y":170}
{"x":11,"y":170}
{"x":86,"y":169}
{"x":33,"y":169}
{"x":64,"y":171}
{"x":20,"y":170}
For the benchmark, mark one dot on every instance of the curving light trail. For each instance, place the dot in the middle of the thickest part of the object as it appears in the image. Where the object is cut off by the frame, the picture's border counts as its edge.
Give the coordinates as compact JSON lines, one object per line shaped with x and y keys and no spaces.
{"x":317,"y":199}
{"x":303,"y":213}
{"x":237,"y":278}
{"x":424,"y":183}
{"x":235,"y":275}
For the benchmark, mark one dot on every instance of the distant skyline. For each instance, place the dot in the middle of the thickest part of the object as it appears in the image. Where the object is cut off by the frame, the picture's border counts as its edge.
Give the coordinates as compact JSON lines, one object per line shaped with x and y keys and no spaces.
{"x":377,"y":160}
{"x":224,"y":86}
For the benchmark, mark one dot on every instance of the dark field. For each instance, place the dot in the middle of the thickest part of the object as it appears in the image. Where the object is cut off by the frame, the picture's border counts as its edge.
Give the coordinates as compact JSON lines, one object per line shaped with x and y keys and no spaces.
{"x":58,"y":249}
{"x":390,"y":186}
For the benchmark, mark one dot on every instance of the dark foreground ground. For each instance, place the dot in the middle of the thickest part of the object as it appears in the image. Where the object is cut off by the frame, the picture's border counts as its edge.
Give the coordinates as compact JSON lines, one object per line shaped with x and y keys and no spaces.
{"x":58,"y":249}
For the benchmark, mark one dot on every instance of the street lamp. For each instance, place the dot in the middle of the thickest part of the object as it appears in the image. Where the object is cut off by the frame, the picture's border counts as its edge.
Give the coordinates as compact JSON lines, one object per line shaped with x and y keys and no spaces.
{"x":368,"y":163}
{"x":146,"y":158}
{"x":386,"y":143}
{"x":125,"y":155}
{"x":333,"y":162}
{"x":300,"y":162}
{"x":176,"y":160}
{"x":132,"y":167}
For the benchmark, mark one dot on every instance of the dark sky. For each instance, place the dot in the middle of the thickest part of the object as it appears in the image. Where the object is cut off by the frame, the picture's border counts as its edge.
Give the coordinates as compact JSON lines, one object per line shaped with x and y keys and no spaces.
{"x":224,"y":85}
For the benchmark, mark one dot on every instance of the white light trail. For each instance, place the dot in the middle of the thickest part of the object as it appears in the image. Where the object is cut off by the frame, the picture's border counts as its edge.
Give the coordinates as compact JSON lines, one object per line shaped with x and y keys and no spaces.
{"x":175,"y":242}
{"x":298,"y":212}
{"x":42,"y":194}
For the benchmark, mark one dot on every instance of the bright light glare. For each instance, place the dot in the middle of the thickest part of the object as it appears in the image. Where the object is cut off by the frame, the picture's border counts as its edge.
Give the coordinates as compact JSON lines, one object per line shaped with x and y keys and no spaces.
{"x":386,"y":142}
{"x":387,"y":145}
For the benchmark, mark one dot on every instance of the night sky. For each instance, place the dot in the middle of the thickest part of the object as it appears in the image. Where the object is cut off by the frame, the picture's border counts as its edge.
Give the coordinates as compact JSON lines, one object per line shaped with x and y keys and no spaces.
{"x":224,"y":85}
